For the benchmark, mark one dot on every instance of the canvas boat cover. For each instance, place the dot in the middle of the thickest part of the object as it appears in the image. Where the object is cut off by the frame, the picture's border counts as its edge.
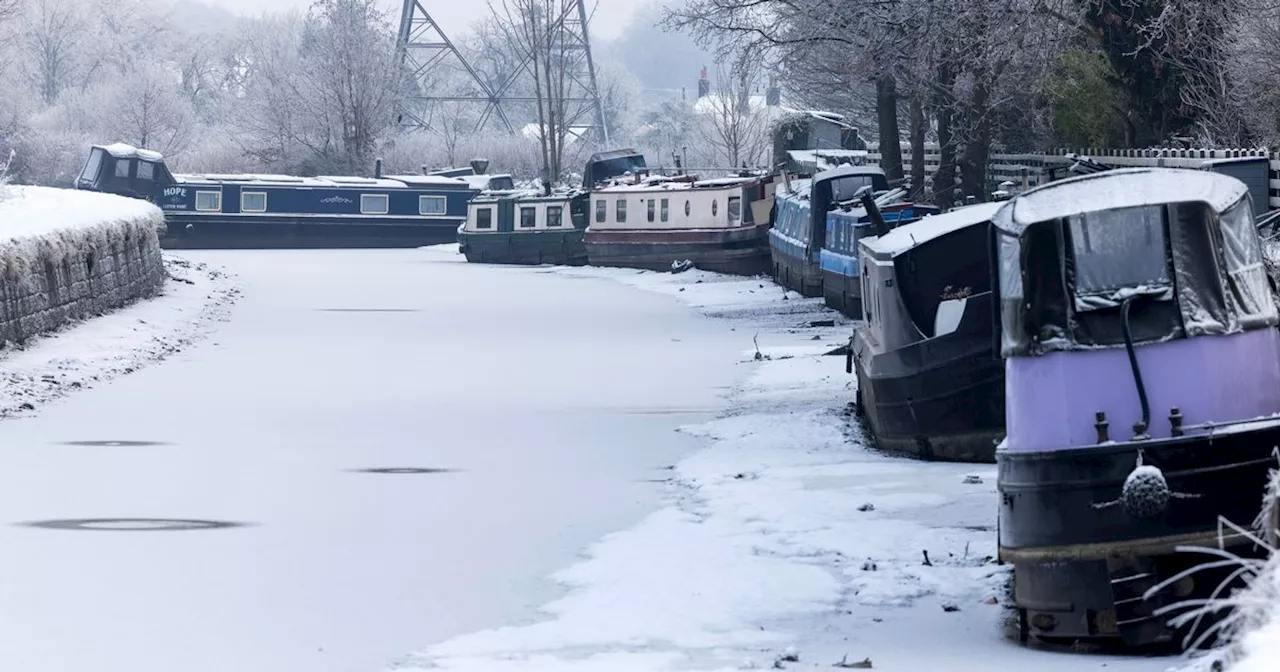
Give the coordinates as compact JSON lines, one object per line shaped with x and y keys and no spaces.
{"x":1181,"y":244}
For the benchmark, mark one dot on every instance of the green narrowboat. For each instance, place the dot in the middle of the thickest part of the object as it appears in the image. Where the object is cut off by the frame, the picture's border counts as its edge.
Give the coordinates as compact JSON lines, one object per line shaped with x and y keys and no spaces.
{"x":525,"y":227}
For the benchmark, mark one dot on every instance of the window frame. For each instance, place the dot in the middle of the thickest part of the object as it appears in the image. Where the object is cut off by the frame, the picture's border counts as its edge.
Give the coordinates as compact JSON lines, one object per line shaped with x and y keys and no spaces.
{"x":123,"y":163}
{"x":487,"y":224}
{"x":735,"y":213}
{"x":426,"y":198}
{"x":602,"y":210}
{"x":620,"y":210}
{"x":243,"y":194}
{"x":665,"y":210}
{"x":386,"y":204}
{"x":150,"y":167}
{"x":532,"y":211}
{"x":557,"y":221}
{"x":217,"y":194}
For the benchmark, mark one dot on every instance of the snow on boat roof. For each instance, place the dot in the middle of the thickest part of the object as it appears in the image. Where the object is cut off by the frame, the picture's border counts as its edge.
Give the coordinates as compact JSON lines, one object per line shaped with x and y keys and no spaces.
{"x":428,"y":180}
{"x":846,"y":171}
{"x":1120,"y":188}
{"x":799,"y":188}
{"x":917,"y":233}
{"x":322,"y":181}
{"x":673,"y":185}
{"x":120,"y":150}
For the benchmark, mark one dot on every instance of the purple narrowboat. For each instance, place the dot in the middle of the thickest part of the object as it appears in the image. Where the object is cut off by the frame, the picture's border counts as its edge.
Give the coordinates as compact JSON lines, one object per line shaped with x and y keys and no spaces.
{"x":1142,"y":383}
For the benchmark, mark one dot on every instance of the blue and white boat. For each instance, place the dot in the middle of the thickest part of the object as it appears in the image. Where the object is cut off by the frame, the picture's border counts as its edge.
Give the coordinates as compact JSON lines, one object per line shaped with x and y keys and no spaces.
{"x":799,"y":229}
{"x":838,"y":258}
{"x":283,"y":211}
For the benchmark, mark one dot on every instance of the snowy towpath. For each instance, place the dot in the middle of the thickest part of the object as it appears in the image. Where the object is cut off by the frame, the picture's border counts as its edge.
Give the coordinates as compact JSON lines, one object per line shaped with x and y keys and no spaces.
{"x":378,"y":449}
{"x":785,"y":538}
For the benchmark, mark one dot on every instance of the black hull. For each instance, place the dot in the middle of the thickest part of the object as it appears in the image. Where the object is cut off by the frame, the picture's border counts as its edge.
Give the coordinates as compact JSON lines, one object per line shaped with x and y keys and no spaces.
{"x":1080,"y":571}
{"x":273,"y":233}
{"x":526,"y":249}
{"x":842,"y":293}
{"x":940,"y":399}
{"x":796,"y":274}
{"x":742,"y":251}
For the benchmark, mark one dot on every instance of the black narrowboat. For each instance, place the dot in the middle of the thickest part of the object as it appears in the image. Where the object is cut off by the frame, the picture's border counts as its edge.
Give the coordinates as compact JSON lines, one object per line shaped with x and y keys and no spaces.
{"x":282,"y":211}
{"x":929,"y":383}
{"x":1142,"y":366}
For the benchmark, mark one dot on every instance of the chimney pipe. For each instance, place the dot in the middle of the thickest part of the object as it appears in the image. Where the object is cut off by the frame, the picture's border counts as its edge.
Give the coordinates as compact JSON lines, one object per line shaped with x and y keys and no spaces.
{"x":377,"y":168}
{"x":704,"y":83}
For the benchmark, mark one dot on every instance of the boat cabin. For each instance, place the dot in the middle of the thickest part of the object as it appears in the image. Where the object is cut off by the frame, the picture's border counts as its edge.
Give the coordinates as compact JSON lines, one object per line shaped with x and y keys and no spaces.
{"x":124,"y":170}
{"x":1146,"y":278}
{"x":604,"y":166}
{"x":525,"y":212}
{"x":929,"y":278}
{"x":659,"y":203}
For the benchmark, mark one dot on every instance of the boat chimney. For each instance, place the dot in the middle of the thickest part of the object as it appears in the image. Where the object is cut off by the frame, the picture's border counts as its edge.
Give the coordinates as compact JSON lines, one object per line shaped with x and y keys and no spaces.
{"x":704,"y":84}
{"x":1175,"y":422}
{"x":877,"y":220}
{"x":479,"y":165}
{"x":425,"y":171}
{"x":679,"y":166}
{"x":377,"y":168}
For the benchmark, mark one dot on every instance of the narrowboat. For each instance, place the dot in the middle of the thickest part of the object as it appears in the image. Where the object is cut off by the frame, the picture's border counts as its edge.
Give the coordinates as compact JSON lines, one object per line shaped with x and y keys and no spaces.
{"x":505,"y":227}
{"x":1142,"y":374}
{"x":799,"y":228}
{"x":282,"y":211}
{"x":929,"y":383}
{"x":659,"y":221}
{"x":846,"y":226}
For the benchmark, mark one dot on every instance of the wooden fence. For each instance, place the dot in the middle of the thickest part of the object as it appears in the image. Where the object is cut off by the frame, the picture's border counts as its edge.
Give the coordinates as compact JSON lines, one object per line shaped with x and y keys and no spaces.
{"x":1032,"y":169}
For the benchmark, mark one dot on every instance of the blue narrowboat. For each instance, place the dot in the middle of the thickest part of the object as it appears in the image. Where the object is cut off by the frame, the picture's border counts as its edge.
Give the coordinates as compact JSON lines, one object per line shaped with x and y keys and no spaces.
{"x":1138,"y":330}
{"x":800,"y":222}
{"x":838,"y":258}
{"x":283,"y":211}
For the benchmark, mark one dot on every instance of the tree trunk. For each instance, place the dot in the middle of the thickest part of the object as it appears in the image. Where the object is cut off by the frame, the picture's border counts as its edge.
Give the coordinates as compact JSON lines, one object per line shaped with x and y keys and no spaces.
{"x":887,"y":123}
{"x":919,"y":124}
{"x":973,"y":165}
{"x":945,"y":178}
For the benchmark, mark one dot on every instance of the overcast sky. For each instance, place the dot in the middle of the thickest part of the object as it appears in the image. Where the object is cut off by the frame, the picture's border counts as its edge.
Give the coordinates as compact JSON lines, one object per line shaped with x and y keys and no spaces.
{"x":455,"y":15}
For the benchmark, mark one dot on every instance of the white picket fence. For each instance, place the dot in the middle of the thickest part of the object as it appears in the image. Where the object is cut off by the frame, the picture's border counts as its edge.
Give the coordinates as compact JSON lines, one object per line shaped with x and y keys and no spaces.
{"x":1031,"y":169}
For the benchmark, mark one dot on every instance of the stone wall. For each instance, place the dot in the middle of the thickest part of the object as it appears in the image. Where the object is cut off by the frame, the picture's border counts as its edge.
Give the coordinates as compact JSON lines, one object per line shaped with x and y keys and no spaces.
{"x":67,"y":255}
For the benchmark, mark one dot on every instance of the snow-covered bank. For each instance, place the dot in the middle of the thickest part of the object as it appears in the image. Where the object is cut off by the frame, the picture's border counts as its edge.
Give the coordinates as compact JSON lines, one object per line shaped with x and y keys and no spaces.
{"x":786,"y":542}
{"x":67,"y":254}
{"x":194,"y":297}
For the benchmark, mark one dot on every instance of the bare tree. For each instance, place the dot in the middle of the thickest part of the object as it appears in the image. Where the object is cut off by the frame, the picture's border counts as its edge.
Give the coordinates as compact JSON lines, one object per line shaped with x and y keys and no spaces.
{"x":54,"y":32}
{"x":149,"y":110}
{"x":729,"y":122}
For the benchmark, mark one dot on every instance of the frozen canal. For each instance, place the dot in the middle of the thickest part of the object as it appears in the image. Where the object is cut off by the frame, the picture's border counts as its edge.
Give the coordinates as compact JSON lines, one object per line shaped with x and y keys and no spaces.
{"x":548,"y":401}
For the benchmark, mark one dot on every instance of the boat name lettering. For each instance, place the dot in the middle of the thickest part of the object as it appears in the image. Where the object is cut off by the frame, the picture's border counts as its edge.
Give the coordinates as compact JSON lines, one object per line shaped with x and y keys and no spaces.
{"x":950,"y":293}
{"x":336,"y":199}
{"x":176,"y":191}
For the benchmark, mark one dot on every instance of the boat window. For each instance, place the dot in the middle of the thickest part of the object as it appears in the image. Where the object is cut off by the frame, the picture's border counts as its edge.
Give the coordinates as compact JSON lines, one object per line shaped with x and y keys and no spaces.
{"x":1116,"y":249}
{"x":484,"y":218}
{"x":122,"y":167}
{"x":735,"y":208}
{"x":845,"y":188}
{"x":687,"y":209}
{"x":665,"y":209}
{"x":146,"y":170}
{"x":650,"y":209}
{"x":715,"y":207}
{"x":622,"y":210}
{"x":253,"y":201}
{"x":528,"y":217}
{"x":94,"y":164}
{"x":555,"y":215}
{"x":373,"y":204}
{"x":601,"y":209}
{"x":208,"y":201}
{"x":1247,"y":275}
{"x":432,"y":205}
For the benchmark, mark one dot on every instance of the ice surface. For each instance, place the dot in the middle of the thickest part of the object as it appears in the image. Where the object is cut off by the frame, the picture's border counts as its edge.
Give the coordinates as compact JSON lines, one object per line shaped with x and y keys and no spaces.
{"x":554,"y":398}
{"x":766,"y":540}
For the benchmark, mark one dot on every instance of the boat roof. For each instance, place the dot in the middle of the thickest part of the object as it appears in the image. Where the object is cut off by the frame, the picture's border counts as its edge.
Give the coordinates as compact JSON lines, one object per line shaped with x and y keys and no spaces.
{"x":1119,"y":188}
{"x":525,"y":196}
{"x":908,"y":236}
{"x":121,"y":150}
{"x":846,"y":171}
{"x":266,"y":180}
{"x":658,"y":183}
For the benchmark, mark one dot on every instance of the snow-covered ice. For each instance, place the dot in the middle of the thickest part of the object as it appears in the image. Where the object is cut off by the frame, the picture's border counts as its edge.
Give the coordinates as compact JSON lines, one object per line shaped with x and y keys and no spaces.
{"x":550,"y":402}
{"x":785,"y":531}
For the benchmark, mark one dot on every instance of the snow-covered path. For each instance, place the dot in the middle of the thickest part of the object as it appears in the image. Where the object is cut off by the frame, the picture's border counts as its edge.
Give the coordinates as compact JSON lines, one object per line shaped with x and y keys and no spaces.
{"x":549,"y":399}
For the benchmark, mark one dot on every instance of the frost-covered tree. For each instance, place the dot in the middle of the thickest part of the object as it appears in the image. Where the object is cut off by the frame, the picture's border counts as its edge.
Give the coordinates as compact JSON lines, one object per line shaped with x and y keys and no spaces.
{"x":146,"y":108}
{"x":729,"y":122}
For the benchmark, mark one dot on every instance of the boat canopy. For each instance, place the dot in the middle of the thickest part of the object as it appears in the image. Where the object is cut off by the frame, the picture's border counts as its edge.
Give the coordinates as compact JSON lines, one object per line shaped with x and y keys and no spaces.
{"x":604,"y":165}
{"x":903,"y":238}
{"x":1179,"y":246}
